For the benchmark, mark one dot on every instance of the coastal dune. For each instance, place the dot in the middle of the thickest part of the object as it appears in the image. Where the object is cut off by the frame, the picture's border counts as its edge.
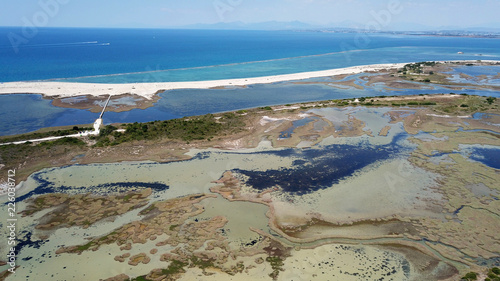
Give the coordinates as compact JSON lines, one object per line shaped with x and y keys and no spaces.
{"x":148,"y":90}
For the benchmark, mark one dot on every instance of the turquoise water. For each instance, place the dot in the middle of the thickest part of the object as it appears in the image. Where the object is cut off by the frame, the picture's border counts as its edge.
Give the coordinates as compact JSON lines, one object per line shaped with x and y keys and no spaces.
{"x":286,"y":65}
{"x":106,"y":55}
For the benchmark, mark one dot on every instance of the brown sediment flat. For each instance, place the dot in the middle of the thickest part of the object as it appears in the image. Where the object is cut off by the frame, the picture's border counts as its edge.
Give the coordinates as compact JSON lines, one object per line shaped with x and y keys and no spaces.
{"x":161,"y":218}
{"x":340,"y":77}
{"x":228,"y":87}
{"x":317,"y":229}
{"x":385,"y":131}
{"x":348,"y":83}
{"x":83,"y":210}
{"x":94,"y":103}
{"x":436,"y":97}
{"x":232,"y":191}
{"x":426,"y":264}
{"x":395,"y":81}
{"x":398,"y":116}
{"x":442,"y":78}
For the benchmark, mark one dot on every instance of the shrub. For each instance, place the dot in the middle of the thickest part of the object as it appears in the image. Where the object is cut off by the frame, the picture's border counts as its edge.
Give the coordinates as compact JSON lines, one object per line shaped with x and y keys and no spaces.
{"x":185,"y":129}
{"x":490,"y":100}
{"x":470,"y":276}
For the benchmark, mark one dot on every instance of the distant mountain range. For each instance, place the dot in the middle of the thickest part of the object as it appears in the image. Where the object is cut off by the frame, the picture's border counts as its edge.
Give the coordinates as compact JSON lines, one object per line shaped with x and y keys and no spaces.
{"x":298,"y":25}
{"x":268,"y":25}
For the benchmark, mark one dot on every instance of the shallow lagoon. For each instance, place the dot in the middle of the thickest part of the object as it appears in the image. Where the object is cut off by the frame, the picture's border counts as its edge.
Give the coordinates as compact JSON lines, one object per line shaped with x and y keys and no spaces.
{"x":478,"y":75}
{"x":36,"y":113}
{"x":360,"y":159}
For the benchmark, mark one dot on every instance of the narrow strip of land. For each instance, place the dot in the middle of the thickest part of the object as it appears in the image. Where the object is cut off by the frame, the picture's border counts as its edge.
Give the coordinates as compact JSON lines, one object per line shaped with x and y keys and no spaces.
{"x":148,"y":90}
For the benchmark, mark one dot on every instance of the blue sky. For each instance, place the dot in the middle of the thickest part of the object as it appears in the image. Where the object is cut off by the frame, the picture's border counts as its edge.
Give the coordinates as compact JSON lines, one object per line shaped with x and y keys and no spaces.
{"x":171,"y":13}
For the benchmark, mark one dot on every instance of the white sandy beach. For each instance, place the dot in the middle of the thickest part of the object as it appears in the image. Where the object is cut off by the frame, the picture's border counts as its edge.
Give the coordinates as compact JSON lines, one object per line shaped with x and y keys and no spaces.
{"x":148,"y":90}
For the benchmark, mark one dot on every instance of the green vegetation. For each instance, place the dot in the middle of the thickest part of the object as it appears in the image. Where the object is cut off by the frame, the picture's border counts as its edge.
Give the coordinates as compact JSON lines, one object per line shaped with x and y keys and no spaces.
{"x":140,"y":278}
{"x":417,"y":67}
{"x":85,"y":247}
{"x":147,"y":210}
{"x":174,"y":267}
{"x":276,"y":265}
{"x":490,"y":100}
{"x":12,"y":155}
{"x":127,"y":197}
{"x":470,"y":276}
{"x":200,"y":263}
{"x":186,"y":129}
{"x":421,"y":103}
{"x":173,"y":226}
{"x":493,"y":274}
{"x":41,"y":135}
{"x":63,"y":141}
{"x":468,"y":104}
{"x":39,"y":201}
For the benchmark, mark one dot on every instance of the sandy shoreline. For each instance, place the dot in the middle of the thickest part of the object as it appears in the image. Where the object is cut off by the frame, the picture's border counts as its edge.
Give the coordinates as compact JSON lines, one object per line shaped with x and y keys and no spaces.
{"x":148,"y":90}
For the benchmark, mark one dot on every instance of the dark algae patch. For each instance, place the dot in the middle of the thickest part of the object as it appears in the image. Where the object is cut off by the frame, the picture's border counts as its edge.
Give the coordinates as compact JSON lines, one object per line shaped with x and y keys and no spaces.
{"x":45,"y":186}
{"x":320,"y":168}
{"x":488,"y":156}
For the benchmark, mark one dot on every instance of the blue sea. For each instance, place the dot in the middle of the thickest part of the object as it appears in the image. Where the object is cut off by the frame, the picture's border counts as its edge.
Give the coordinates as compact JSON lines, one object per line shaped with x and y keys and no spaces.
{"x":155,"y":55}
{"x":187,"y":55}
